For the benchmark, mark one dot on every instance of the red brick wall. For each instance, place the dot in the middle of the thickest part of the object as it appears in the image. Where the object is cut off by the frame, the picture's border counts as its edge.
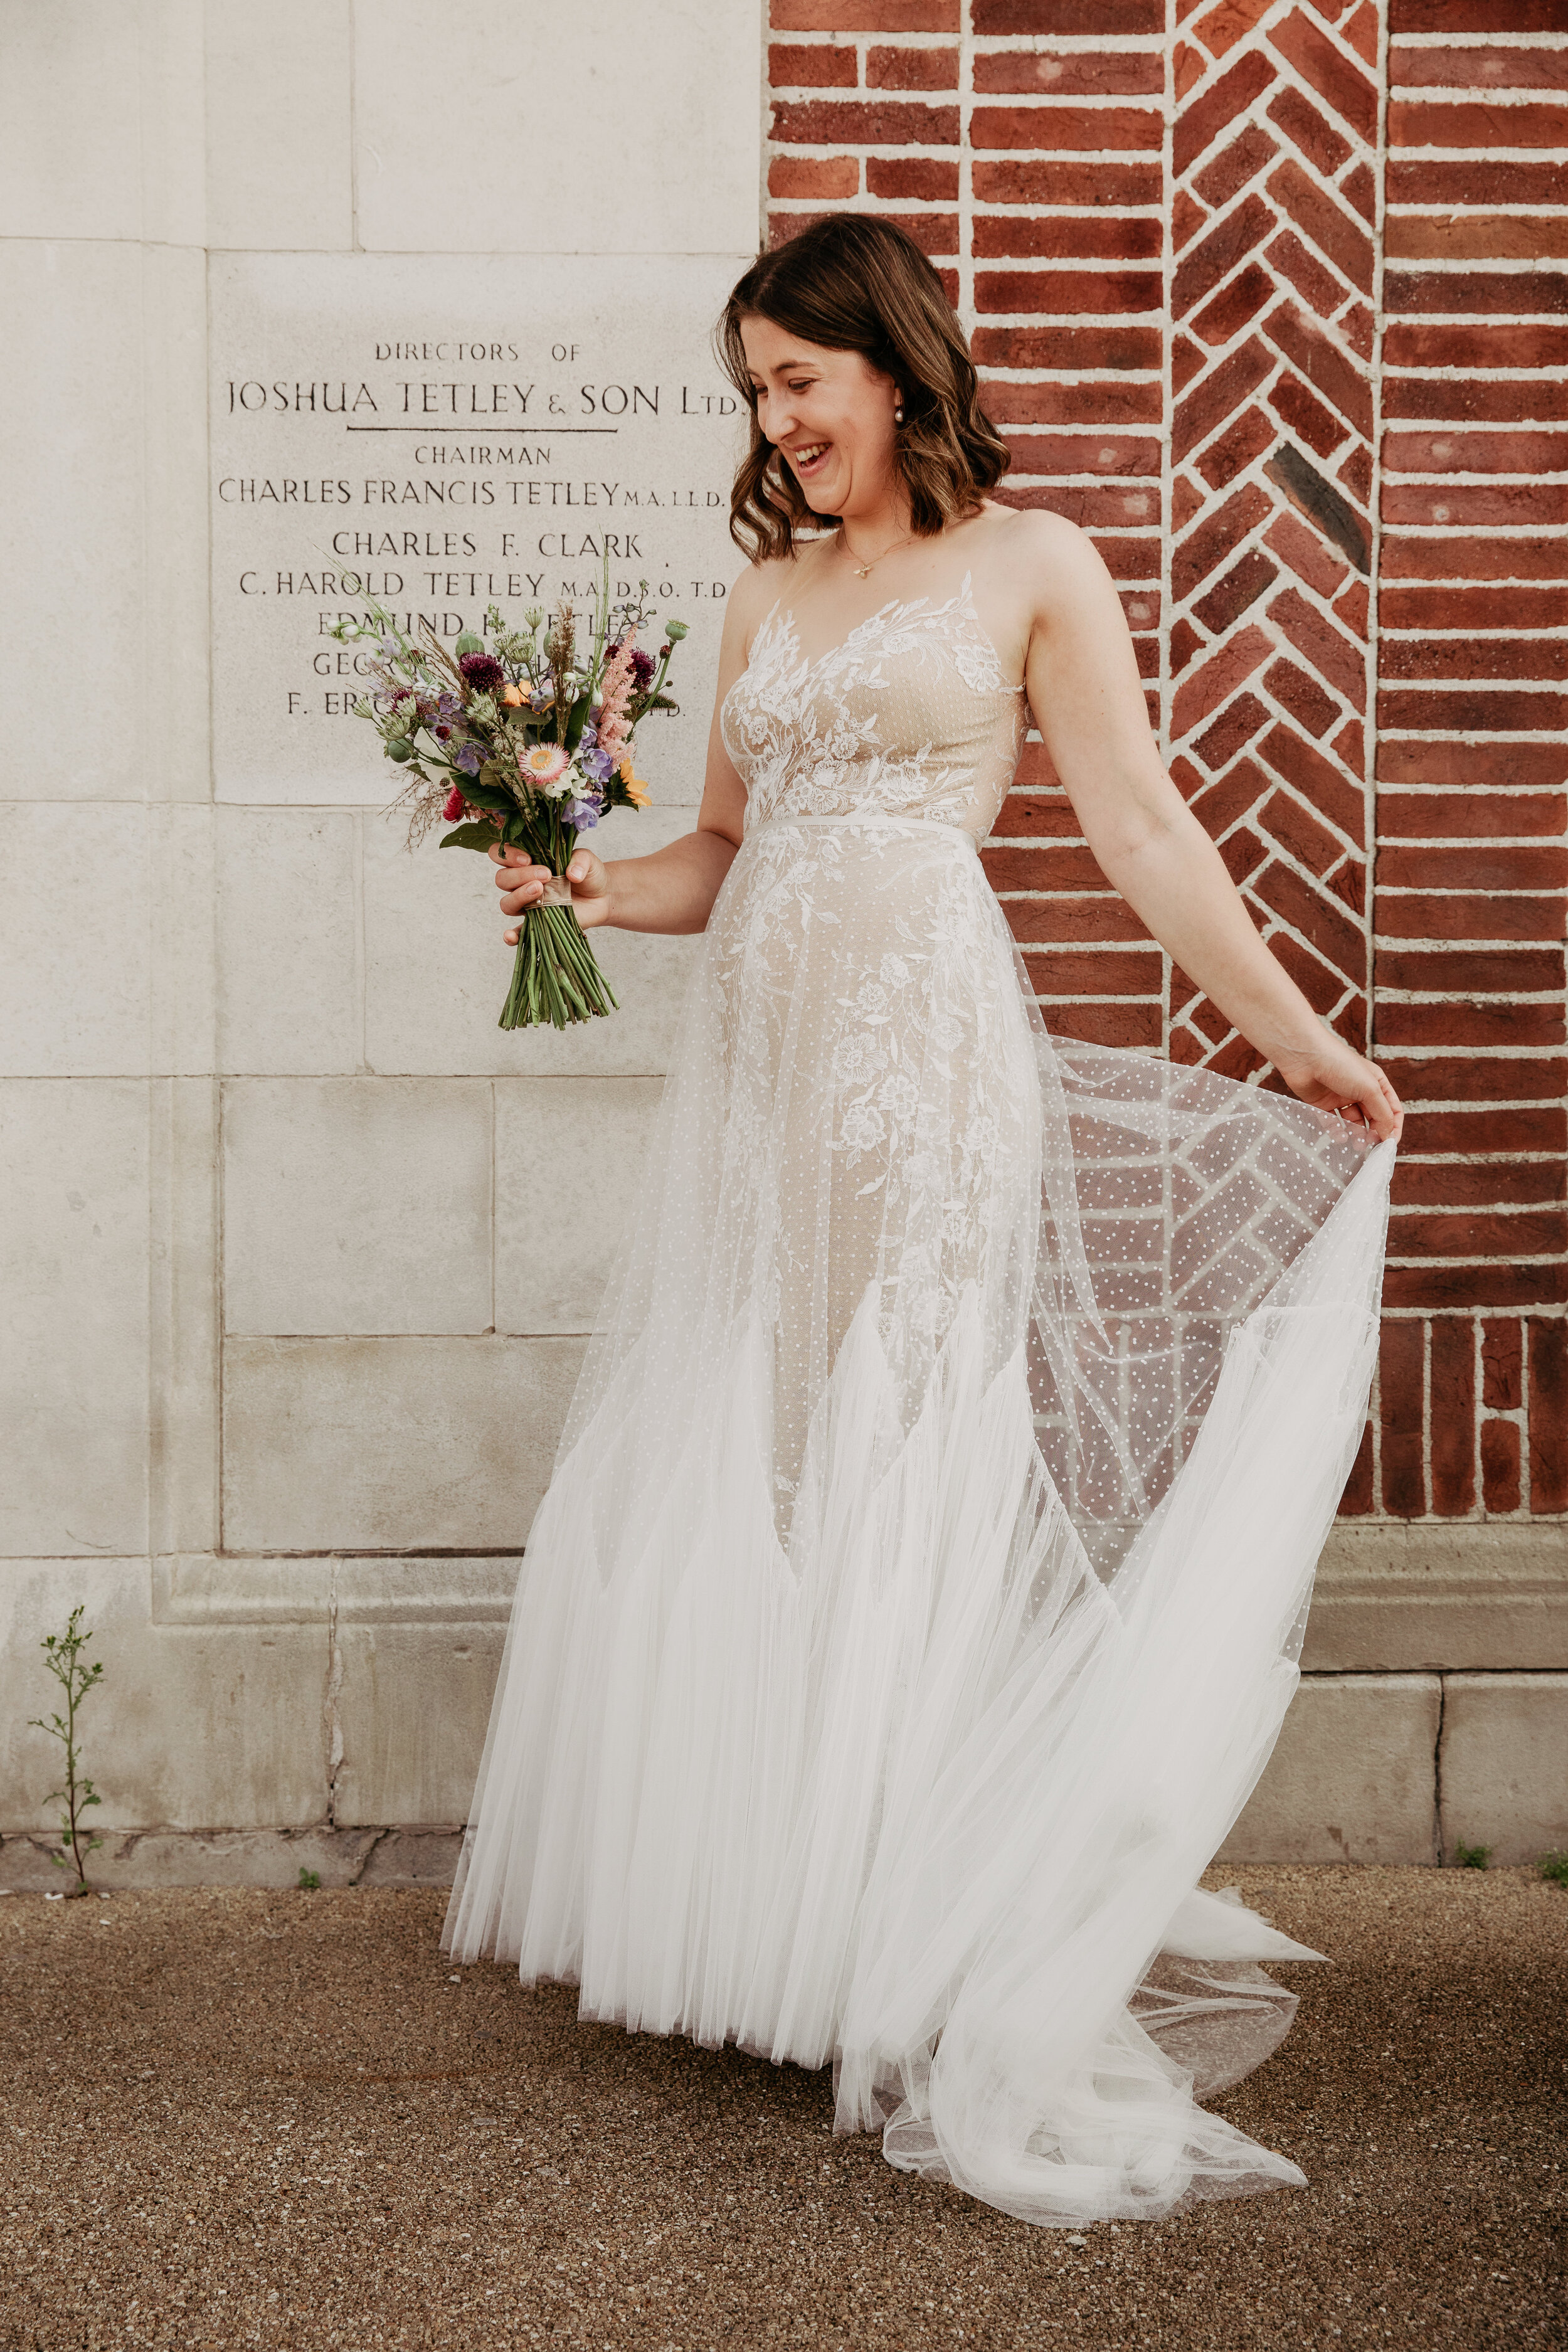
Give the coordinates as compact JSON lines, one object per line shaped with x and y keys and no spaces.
{"x":1270,"y":296}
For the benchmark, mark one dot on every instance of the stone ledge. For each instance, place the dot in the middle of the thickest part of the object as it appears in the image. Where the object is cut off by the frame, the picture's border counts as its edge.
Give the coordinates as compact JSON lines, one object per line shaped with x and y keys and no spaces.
{"x":1427,"y":1598}
{"x":361,"y":1857}
{"x":340,"y":1588}
{"x":1416,"y":1597}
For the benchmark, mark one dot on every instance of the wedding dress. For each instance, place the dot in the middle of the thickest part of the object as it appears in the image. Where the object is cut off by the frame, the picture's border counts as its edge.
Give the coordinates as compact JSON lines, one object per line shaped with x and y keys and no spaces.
{"x":918,"y":1593}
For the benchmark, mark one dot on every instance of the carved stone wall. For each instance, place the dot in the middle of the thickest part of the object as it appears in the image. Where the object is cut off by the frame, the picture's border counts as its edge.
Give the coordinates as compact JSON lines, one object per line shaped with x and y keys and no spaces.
{"x":1266,"y":297}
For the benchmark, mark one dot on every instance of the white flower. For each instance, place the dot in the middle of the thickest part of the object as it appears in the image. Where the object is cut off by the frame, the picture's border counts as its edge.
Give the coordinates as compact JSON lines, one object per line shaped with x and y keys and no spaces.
{"x":856,"y":1059}
{"x":861,"y":1126}
{"x":871,"y":1001}
{"x":899,"y":1096}
{"x":955,"y":1221}
{"x":895,"y":971}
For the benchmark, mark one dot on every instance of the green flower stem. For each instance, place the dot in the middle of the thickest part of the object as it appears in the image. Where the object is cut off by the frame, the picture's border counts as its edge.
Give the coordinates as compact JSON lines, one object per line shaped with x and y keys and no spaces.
{"x":556,"y":976}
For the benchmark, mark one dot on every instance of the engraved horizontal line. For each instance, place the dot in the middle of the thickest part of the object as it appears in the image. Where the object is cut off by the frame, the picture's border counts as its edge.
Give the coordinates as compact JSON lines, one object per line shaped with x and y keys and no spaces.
{"x":521,"y":431}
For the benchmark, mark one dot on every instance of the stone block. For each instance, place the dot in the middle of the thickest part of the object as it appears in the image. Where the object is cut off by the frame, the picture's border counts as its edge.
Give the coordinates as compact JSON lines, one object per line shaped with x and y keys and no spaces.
{"x":265,"y":1858}
{"x":436,"y":971}
{"x":75,"y":964}
{"x":1504,"y":1764}
{"x":357,"y":1205}
{"x":103,"y":447}
{"x":1352,"y":1777}
{"x":171,"y":746}
{"x":537,"y":97}
{"x":1427,"y":1596}
{"x":103,"y":120}
{"x":73,"y":1339}
{"x":182,"y":1012}
{"x":566,"y":1139}
{"x":279,"y":170}
{"x":413,"y":1706}
{"x":288,"y":942}
{"x":191,"y":1729}
{"x":389,"y":1445}
{"x":182,"y":1301}
{"x":413,"y":1858}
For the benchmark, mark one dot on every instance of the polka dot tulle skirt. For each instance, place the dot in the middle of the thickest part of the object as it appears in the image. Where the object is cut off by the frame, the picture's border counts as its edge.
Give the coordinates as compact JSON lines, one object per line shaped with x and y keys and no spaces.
{"x":918,"y":1594}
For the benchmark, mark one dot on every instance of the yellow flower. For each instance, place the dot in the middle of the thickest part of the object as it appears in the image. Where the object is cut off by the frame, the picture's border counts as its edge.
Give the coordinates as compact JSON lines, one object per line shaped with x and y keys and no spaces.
{"x":637,"y":792}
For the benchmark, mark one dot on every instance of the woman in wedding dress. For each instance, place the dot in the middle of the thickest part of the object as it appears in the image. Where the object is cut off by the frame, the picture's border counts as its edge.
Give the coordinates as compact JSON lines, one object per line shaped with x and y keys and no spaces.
{"x":917,"y":1596}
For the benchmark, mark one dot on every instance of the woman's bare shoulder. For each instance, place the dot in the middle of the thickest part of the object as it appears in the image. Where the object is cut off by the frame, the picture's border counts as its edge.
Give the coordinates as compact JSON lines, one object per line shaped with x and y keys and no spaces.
{"x":1052,"y":562}
{"x":774,"y":580}
{"x":762,"y":582}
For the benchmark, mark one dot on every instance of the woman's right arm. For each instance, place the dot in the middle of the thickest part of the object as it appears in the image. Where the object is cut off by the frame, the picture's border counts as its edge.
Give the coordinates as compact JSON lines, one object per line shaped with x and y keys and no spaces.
{"x":673,"y":889}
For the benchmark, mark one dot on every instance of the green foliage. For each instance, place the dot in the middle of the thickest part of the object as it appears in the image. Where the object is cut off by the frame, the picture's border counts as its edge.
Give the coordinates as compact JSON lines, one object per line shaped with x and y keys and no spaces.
{"x":1554,"y":1866}
{"x":470,"y":836}
{"x":1471,"y":1857}
{"x":480,"y":795}
{"x":63,"y":1660}
{"x":309,"y":1880}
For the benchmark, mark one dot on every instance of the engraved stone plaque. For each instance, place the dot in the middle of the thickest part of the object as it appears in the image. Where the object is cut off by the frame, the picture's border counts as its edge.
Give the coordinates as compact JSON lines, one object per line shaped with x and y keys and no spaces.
{"x":441,"y":434}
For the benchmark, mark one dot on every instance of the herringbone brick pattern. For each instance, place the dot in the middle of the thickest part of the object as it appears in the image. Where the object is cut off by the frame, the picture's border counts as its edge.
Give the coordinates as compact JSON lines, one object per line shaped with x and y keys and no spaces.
{"x":1272,"y":436}
{"x":1269,"y":296}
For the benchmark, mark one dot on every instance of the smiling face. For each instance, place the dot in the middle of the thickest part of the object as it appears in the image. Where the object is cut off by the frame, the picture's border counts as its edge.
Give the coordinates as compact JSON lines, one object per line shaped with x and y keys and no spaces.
{"x":831,"y":415}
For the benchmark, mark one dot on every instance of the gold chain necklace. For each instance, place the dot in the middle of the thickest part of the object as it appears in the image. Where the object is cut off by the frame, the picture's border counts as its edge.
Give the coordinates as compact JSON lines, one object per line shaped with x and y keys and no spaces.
{"x":861,"y":570}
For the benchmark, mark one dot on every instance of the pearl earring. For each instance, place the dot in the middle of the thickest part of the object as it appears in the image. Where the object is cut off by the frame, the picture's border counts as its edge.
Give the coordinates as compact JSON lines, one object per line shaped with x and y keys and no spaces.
{"x":899,"y":416}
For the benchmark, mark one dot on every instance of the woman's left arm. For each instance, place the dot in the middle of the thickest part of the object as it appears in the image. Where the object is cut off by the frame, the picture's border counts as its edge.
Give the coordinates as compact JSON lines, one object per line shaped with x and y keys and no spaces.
{"x":1087,"y":699}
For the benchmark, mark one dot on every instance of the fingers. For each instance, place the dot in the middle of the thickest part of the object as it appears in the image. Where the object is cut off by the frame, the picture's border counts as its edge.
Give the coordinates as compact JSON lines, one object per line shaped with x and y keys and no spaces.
{"x":585,"y":871}
{"x":1378,"y":1106}
{"x":520,"y":884}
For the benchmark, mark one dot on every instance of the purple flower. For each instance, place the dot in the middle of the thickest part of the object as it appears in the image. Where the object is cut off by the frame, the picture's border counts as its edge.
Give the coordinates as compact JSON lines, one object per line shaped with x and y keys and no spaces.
{"x":583,"y":814}
{"x":642,"y":666}
{"x":468,"y":760}
{"x":483,"y":672}
{"x":595,"y":763}
{"x":448,"y":706}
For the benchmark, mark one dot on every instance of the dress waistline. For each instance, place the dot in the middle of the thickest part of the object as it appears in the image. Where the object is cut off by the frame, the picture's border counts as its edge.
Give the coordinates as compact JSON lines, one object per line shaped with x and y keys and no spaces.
{"x":873,"y":821}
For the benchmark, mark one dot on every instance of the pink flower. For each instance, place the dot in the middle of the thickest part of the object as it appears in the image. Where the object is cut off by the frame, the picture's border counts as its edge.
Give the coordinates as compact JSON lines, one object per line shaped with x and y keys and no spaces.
{"x":545,"y":765}
{"x":455,"y":806}
{"x":615,"y":693}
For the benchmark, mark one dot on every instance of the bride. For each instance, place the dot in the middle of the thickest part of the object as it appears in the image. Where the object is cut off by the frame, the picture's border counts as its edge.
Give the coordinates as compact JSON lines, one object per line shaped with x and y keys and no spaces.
{"x":916,"y":1600}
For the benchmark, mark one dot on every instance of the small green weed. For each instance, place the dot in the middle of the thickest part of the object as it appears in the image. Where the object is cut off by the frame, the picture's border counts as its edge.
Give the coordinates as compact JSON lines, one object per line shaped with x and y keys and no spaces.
{"x":64,"y":1662}
{"x":1471,"y":1857}
{"x":309,"y":1880}
{"x":1554,"y":1866}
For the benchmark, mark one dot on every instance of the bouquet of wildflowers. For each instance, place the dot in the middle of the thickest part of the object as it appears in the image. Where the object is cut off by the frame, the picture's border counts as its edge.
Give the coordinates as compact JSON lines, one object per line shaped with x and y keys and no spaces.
{"x":526,"y":740}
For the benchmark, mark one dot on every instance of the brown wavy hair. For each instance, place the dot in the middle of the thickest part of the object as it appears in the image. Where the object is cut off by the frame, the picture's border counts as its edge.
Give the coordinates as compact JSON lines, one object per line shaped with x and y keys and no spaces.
{"x":851,"y":282}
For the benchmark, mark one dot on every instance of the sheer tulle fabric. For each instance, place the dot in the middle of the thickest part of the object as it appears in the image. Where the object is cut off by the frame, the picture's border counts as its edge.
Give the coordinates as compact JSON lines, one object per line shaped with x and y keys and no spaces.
{"x":917,"y":1597}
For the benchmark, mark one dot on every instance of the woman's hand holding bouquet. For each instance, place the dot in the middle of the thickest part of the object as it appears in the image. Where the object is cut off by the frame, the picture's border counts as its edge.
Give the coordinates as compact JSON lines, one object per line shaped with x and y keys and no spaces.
{"x":522,"y":745}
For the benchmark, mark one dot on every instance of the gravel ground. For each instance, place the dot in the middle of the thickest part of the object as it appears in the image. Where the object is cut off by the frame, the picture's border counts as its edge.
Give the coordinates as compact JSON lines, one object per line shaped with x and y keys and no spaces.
{"x":238,"y":2118}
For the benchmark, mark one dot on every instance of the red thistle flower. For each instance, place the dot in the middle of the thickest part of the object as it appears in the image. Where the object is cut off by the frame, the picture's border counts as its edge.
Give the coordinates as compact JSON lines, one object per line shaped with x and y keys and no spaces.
{"x":456,"y":806}
{"x":642,"y":665}
{"x":482,"y":671}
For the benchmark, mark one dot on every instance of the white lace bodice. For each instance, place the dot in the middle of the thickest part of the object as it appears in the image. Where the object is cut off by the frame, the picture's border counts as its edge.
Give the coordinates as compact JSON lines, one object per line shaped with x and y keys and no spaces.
{"x":909,"y":716}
